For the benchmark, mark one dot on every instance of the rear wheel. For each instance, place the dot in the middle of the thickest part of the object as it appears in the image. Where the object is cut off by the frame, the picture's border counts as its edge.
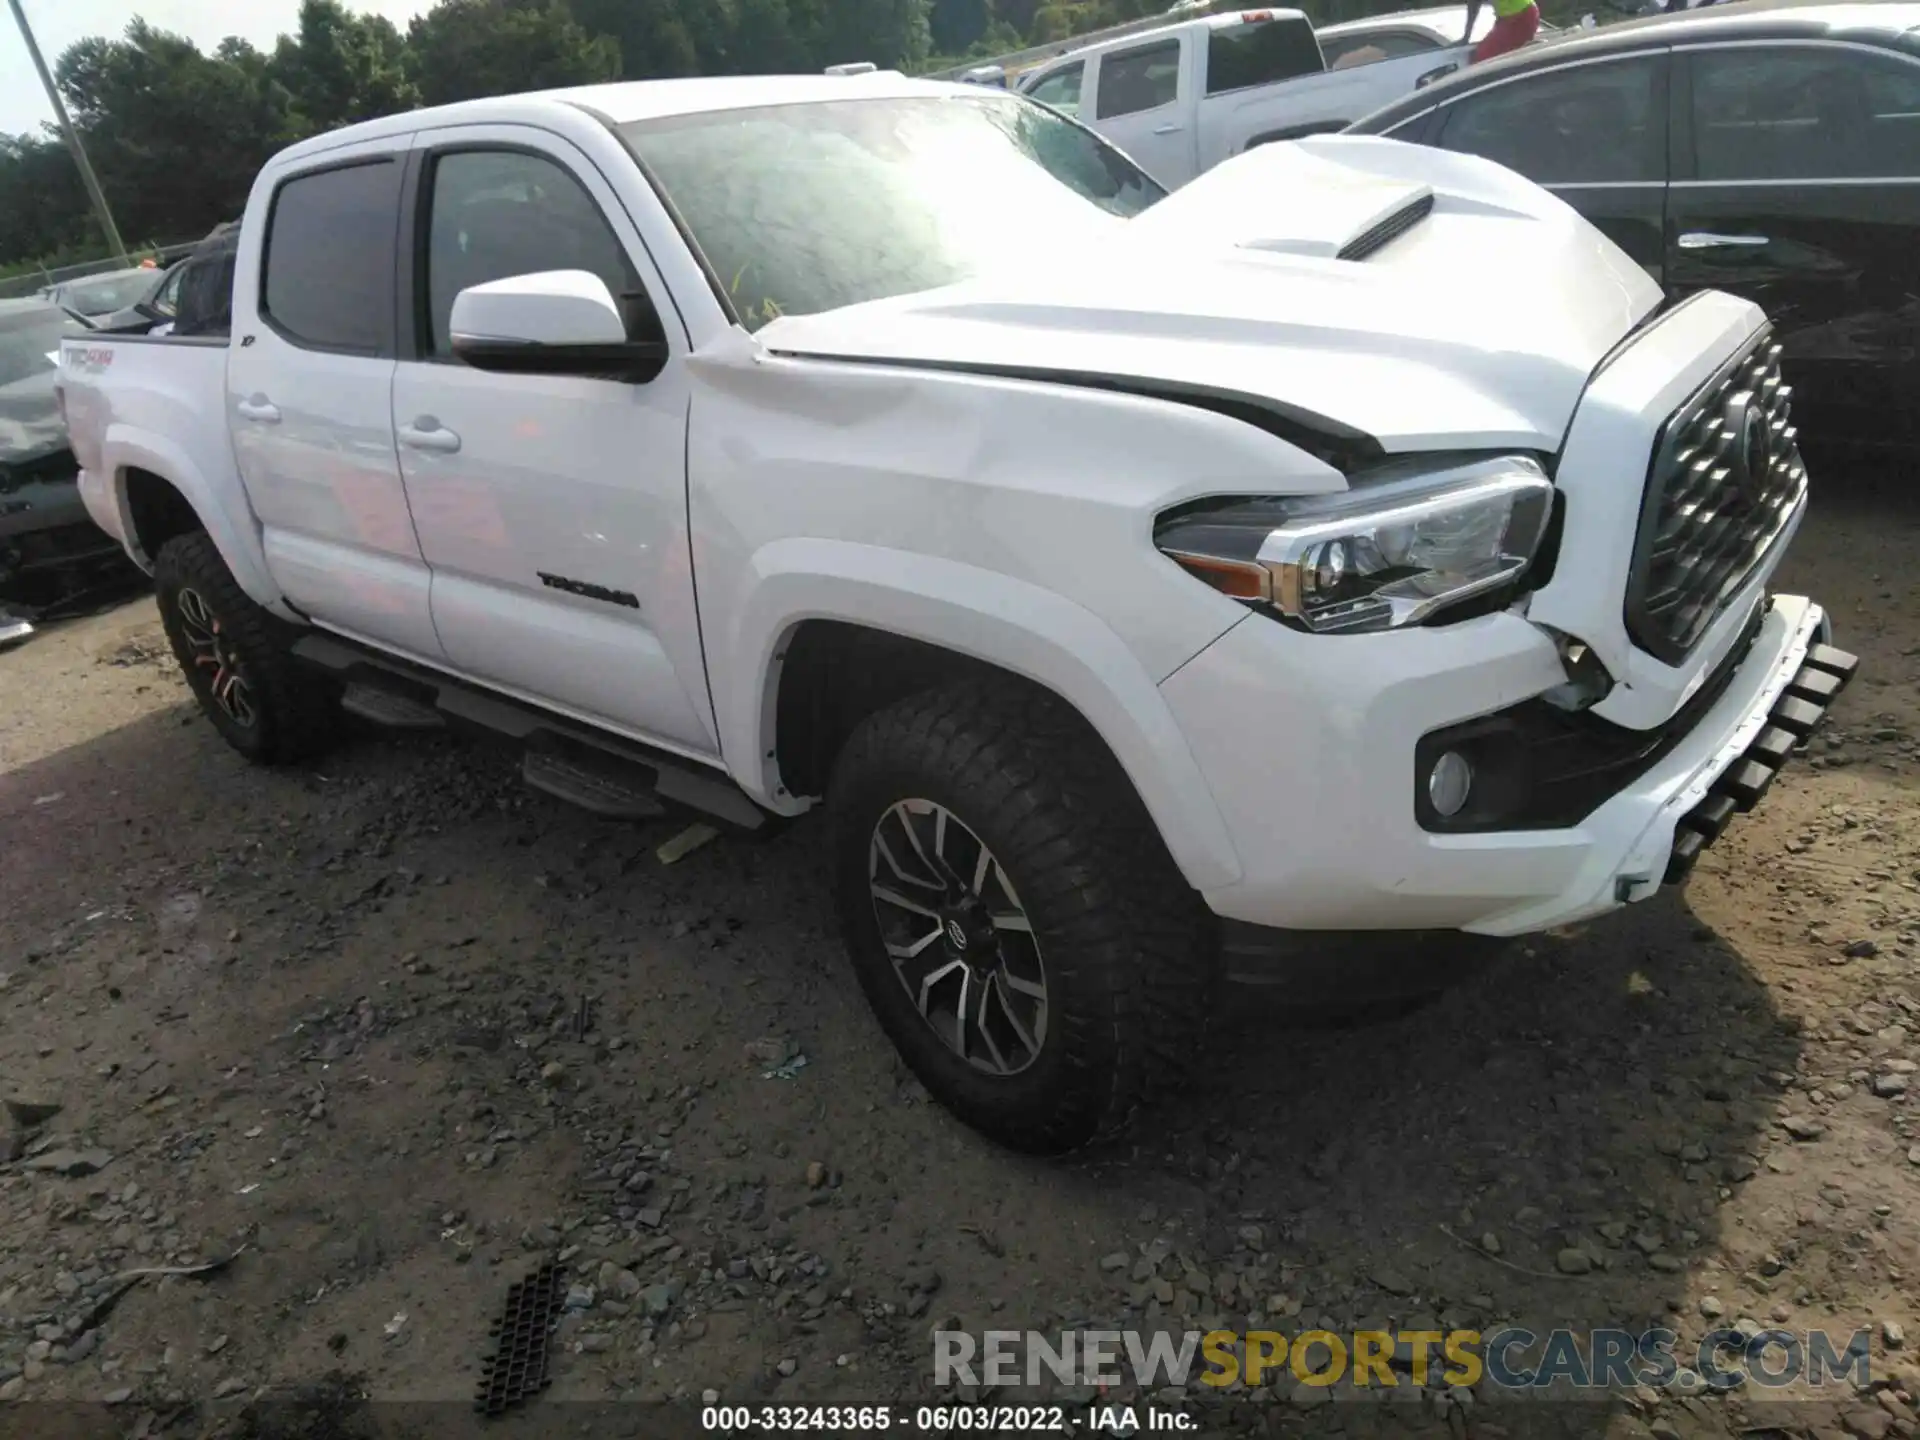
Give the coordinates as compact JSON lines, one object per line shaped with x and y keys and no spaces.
{"x":1013,"y":917}
{"x":237,"y":658}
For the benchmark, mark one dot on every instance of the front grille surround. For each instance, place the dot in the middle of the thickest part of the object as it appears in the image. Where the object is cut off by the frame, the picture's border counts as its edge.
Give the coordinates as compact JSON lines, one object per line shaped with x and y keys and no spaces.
{"x":1720,"y":493}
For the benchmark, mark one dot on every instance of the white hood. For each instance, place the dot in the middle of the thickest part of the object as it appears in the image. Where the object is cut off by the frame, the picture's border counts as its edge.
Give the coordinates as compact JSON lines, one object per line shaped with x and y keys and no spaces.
{"x":1478,"y":326}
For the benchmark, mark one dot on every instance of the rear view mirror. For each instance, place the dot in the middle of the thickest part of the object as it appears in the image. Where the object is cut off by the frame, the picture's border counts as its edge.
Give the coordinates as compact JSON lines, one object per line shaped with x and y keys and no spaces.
{"x":557,"y":322}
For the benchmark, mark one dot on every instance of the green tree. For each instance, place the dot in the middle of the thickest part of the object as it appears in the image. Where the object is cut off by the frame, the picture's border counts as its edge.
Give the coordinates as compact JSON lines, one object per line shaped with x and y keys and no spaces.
{"x":463,"y":49}
{"x":662,"y":38}
{"x":176,"y":135}
{"x":763,"y":38}
{"x":341,"y":67}
{"x":891,"y":33}
{"x":958,"y":25}
{"x":43,"y":208}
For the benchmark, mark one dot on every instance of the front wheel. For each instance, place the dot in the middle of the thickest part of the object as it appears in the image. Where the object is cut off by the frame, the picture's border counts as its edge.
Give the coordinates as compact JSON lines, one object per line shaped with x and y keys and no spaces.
{"x":237,"y":658}
{"x":1013,"y":917}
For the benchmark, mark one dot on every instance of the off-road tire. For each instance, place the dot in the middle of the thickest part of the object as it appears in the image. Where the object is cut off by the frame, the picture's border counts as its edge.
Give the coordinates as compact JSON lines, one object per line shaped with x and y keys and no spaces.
{"x":296,"y":712}
{"x":1130,"y":952}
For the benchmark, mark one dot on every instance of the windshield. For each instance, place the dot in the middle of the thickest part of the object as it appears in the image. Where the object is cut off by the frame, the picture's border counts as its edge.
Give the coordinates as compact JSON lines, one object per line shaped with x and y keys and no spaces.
{"x":30,"y":341}
{"x":808,"y":207}
{"x":106,"y":293}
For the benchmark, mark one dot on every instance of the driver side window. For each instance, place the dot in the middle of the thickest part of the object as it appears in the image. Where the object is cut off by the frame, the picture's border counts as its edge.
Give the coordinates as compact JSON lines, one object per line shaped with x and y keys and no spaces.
{"x":1604,"y":122}
{"x":1061,"y":89}
{"x":499,"y":213}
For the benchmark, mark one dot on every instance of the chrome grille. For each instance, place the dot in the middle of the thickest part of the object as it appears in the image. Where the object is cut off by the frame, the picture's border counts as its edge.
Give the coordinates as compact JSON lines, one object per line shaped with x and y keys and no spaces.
{"x":1725,"y":481}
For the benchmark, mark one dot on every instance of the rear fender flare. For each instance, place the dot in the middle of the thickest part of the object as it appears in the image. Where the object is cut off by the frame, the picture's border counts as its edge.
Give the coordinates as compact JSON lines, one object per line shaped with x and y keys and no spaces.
{"x":238,"y":539}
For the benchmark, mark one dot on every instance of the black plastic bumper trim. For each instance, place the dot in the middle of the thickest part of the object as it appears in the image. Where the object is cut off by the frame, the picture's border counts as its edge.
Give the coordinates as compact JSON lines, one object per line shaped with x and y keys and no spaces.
{"x":1329,"y":971}
{"x":1540,"y":768}
{"x":1825,"y":673}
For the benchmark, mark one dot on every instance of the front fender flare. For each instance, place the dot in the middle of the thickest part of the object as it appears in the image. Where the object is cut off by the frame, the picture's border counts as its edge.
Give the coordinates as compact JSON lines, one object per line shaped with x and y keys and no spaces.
{"x":1013,"y":624}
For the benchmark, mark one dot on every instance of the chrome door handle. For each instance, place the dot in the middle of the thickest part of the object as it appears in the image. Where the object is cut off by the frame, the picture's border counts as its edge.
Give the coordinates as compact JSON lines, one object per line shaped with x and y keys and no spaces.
{"x":427,"y":433}
{"x":1707,"y":240}
{"x":258,"y":407}
{"x":1168,"y":129}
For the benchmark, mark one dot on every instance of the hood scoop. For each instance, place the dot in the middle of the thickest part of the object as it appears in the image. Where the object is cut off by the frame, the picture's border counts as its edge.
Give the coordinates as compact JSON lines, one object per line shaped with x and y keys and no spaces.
{"x":1288,"y":200}
{"x":1353,"y":225}
{"x":1372,"y":241}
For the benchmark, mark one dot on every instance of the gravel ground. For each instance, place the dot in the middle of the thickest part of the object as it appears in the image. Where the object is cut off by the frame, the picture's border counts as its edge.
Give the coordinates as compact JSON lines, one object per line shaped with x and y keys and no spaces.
{"x":393,"y":1027}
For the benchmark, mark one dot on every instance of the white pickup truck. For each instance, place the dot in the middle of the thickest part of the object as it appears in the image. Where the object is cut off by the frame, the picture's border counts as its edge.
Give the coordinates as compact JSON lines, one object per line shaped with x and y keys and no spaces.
{"x":1181,"y":98}
{"x":1144,"y":585}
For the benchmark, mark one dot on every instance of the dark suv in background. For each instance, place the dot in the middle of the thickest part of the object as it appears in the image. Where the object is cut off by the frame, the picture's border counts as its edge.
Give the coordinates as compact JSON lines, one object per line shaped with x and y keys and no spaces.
{"x":1769,"y":150}
{"x":49,"y":546}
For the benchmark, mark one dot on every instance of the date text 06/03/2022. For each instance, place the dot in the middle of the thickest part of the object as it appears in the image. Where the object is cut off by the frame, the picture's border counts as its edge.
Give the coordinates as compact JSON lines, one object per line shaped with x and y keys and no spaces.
{"x":1098,"y":1419}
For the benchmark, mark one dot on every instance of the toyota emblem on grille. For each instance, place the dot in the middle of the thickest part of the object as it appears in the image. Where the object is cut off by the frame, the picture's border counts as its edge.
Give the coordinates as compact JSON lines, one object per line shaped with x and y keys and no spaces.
{"x":1751,"y":459}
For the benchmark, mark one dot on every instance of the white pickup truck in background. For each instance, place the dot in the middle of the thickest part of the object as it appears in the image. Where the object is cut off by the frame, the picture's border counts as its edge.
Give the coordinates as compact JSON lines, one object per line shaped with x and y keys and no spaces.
{"x":1181,"y":98}
{"x":1404,"y":33}
{"x":1144,"y":585}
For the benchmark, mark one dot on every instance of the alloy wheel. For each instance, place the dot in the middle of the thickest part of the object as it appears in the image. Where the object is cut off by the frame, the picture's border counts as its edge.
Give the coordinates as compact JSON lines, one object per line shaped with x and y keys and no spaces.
{"x":960,"y":940}
{"x":212,"y":653}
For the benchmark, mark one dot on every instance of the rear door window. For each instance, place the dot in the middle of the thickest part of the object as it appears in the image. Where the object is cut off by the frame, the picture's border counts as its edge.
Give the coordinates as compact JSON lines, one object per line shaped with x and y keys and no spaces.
{"x":1804,"y":112}
{"x":1135,"y":80}
{"x":1260,"y":52}
{"x":1598,"y":123}
{"x":1350,"y":50}
{"x":328,"y":266}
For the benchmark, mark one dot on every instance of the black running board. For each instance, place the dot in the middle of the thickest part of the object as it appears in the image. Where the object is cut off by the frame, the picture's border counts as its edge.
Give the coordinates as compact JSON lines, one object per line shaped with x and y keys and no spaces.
{"x":388,"y":707}
{"x":1795,"y":715}
{"x":606,"y":774}
{"x":613,"y":789}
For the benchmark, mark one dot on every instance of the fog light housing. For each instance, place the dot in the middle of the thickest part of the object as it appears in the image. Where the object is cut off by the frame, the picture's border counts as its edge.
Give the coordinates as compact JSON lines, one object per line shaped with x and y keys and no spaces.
{"x":1449,"y":783}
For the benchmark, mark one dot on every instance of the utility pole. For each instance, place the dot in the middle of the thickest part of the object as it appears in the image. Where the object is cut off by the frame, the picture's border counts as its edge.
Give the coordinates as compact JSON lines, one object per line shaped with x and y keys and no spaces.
{"x":87,"y":177}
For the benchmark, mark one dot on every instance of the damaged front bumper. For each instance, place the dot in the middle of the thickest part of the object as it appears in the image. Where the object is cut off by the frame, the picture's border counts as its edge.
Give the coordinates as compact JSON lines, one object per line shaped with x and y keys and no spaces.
{"x":1317,"y":779}
{"x":1794,"y":716}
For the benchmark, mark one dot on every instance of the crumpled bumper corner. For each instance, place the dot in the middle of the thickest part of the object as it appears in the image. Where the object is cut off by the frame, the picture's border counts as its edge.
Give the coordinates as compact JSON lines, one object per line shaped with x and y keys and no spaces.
{"x":1804,"y":703}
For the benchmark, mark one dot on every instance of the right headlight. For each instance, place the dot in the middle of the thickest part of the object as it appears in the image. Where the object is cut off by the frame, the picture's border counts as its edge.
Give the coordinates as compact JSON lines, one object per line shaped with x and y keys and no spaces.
{"x":1396,"y":549}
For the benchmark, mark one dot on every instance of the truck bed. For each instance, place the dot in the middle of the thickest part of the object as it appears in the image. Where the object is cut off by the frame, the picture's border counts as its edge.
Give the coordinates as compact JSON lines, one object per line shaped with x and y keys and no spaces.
{"x":1312,"y":104}
{"x":145,"y":403}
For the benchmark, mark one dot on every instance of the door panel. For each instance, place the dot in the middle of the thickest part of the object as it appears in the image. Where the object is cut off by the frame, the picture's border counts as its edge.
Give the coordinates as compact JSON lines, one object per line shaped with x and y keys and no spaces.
{"x":1546,"y":125}
{"x":309,"y":397}
{"x":1798,"y":187}
{"x":1142,"y":101}
{"x":552,"y":509}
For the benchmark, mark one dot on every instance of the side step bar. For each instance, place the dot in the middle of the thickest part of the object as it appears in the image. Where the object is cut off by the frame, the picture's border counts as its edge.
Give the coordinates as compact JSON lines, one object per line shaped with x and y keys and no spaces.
{"x":603,"y":773}
{"x":389,"y":708}
{"x":607,"y":789}
{"x":1798,"y":712}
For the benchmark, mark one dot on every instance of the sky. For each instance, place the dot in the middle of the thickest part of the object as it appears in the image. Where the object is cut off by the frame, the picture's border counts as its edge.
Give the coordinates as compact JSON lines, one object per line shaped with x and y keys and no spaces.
{"x":58,"y":23}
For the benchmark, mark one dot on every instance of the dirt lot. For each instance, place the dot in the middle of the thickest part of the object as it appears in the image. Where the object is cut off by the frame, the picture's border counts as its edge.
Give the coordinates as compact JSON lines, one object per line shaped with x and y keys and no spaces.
{"x":397,"y":1027}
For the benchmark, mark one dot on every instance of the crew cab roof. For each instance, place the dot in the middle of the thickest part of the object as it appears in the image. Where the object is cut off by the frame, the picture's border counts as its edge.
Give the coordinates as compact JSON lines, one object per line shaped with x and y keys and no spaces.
{"x":623,"y":102}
